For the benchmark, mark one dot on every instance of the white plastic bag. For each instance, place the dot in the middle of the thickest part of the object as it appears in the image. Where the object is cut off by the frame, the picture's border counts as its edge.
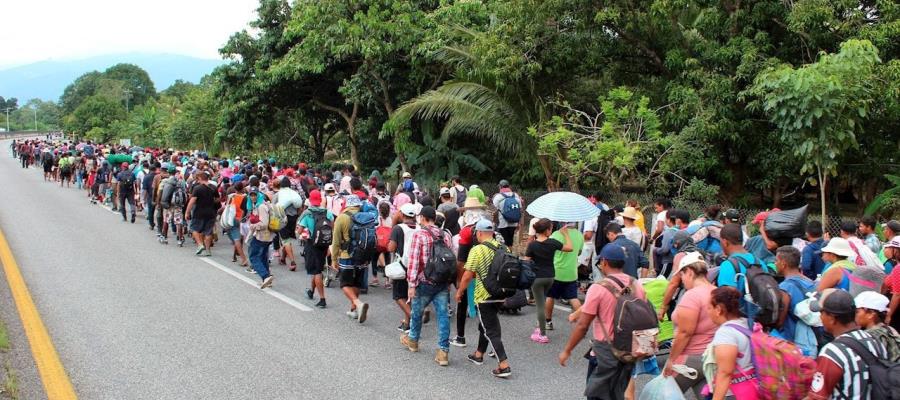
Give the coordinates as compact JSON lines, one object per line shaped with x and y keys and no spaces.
{"x":395,"y":270}
{"x":661,"y":388}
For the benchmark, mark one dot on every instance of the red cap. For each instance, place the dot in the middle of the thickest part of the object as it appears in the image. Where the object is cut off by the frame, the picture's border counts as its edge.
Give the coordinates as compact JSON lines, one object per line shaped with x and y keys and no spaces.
{"x":761,"y":217}
{"x":124,"y":165}
{"x":315,"y":198}
{"x":302,"y":165}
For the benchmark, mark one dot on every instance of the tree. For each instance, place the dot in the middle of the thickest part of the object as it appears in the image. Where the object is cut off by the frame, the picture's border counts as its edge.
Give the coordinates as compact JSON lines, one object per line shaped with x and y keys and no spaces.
{"x":136,"y":83}
{"x":179,"y":89}
{"x":83,"y":87}
{"x":820,"y":108}
{"x":96,"y":113}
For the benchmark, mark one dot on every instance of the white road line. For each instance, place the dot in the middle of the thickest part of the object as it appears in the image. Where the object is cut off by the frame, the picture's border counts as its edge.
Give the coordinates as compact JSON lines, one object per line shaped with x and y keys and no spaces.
{"x":278,"y":295}
{"x":562,"y":308}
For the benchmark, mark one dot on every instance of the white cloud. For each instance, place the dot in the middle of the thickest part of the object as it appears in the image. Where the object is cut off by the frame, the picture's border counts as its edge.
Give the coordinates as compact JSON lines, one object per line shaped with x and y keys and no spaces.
{"x":38,"y":30}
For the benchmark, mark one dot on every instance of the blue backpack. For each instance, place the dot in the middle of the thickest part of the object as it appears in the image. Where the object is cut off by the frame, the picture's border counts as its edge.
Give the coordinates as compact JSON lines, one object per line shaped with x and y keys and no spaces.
{"x":710,"y":244}
{"x":409,"y":186}
{"x":362,"y":238}
{"x":510,"y":208}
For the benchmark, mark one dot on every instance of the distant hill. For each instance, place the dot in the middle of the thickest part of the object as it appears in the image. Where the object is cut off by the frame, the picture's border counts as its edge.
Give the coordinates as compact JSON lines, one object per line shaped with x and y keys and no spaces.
{"x":46,"y":80}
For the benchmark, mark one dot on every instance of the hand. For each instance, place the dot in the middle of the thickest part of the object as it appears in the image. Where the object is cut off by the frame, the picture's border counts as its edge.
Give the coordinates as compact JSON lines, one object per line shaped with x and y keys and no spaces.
{"x":661,"y":314}
{"x":564,"y":357}
{"x":187,"y":217}
{"x":411,"y":293}
{"x":574,"y":316}
{"x":458,"y":296}
{"x":667,"y":370}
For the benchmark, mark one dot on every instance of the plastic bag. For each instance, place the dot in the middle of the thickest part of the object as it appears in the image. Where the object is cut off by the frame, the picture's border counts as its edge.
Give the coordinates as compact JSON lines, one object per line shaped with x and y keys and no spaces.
{"x":661,"y":388}
{"x":787,"y":224}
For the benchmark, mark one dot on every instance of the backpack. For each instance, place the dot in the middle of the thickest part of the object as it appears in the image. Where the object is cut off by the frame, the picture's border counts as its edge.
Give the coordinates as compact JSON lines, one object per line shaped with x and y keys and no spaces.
{"x":362,"y":237}
{"x":277,"y":218}
{"x":864,"y":278}
{"x":635,"y":325}
{"x":781,"y":369}
{"x":771,"y":303}
{"x":409,"y":186}
{"x":461,"y":196}
{"x":884,"y":375}
{"x":128,"y":181}
{"x":179,"y":195}
{"x":510,"y":208}
{"x":323,"y":230}
{"x":808,"y":337}
{"x":382,"y":236}
{"x":503,"y":274}
{"x":710,"y":244}
{"x":605,"y":217}
{"x":226,"y":221}
{"x":441,"y":266}
{"x":527,"y":277}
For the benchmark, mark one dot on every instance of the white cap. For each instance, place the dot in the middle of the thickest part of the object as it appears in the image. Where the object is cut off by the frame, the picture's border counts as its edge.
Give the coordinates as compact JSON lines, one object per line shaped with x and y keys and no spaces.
{"x":407,"y":175}
{"x":329,"y":187}
{"x":444,"y":191}
{"x":691,"y":258}
{"x":408,"y":210}
{"x":872,"y":301}
{"x":838,"y":246}
{"x":895,"y":242}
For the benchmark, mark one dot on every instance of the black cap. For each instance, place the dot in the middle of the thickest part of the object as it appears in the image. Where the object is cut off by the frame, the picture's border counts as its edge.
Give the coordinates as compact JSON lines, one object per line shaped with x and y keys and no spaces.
{"x":428,"y":213}
{"x":835,"y":302}
{"x":732,"y":215}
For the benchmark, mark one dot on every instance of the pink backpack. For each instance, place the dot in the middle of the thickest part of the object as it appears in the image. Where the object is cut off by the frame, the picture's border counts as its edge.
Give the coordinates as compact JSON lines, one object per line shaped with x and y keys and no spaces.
{"x":782,"y":370}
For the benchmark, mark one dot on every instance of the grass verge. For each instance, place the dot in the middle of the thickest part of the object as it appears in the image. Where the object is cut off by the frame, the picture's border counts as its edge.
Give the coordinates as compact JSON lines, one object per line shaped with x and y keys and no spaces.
{"x":9,"y":381}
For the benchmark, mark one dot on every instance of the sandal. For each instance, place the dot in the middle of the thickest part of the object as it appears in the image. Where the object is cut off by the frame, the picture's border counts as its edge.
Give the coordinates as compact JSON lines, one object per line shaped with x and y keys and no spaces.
{"x":293,"y":267}
{"x":387,"y":286}
{"x":375,"y":283}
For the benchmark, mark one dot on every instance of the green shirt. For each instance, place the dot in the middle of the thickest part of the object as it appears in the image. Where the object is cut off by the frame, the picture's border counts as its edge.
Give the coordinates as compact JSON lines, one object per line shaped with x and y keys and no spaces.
{"x":479,"y":262}
{"x":565,"y":264}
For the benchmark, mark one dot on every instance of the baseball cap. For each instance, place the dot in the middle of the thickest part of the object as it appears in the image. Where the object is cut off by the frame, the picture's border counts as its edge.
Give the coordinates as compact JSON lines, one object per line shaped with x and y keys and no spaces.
{"x":445,"y":191}
{"x":171,"y":168}
{"x":872,"y":300}
{"x":834,"y":301}
{"x":408,"y":210}
{"x":329,"y":187}
{"x":428,"y":212}
{"x":484,"y":225}
{"x":503,"y":183}
{"x":407,"y":175}
{"x":692,"y":257}
{"x":895,"y":242}
{"x":612,"y":252}
{"x":893,"y":225}
{"x":352,"y":201}
{"x":315,"y":198}
{"x":732,"y":215}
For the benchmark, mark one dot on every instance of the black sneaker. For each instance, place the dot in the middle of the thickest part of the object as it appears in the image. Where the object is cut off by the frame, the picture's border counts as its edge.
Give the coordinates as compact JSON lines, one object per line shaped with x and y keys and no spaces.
{"x":475,"y":360}
{"x":549,"y":325}
{"x":502,"y":372}
{"x":404,"y":327}
{"x":321,"y":303}
{"x":458,"y":341}
{"x":132,"y":218}
{"x":309,"y":294}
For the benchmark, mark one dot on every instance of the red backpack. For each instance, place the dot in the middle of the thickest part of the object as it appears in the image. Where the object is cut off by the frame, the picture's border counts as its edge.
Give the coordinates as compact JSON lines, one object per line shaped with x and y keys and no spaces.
{"x":782,"y":370}
{"x":382,"y":236}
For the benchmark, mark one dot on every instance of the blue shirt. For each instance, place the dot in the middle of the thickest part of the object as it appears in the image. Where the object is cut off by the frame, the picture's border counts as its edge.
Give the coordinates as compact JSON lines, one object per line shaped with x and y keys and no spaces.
{"x":726,"y":269}
{"x":796,"y":287}
{"x":634,"y":257}
{"x":811,"y":263}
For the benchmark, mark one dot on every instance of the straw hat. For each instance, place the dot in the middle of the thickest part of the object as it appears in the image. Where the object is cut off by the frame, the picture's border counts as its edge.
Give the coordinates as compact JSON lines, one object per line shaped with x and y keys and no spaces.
{"x":630,"y":213}
{"x":472,"y":203}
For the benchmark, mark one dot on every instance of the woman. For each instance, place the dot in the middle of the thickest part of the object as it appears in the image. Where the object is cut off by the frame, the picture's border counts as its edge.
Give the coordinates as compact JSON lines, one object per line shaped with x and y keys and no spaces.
{"x":640,"y":221}
{"x":541,"y":251}
{"x":694,"y":329}
{"x":682,"y":244}
{"x":237,"y":197}
{"x":262,"y":238}
{"x":728,"y":358}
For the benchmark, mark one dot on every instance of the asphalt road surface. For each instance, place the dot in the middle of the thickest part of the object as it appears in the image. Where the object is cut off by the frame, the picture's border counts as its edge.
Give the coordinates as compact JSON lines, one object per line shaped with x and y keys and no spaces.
{"x":134,"y":319}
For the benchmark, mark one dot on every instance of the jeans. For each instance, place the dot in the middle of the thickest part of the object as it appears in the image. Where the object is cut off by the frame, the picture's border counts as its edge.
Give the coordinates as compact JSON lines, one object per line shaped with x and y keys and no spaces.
{"x":259,"y":257}
{"x":489,"y":329}
{"x":151,"y":208}
{"x":126,"y":198}
{"x":426,"y":294}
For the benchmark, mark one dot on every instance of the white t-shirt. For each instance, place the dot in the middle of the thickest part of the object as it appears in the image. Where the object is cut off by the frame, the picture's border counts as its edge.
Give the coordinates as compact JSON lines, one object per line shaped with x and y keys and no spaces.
{"x":633,"y":234}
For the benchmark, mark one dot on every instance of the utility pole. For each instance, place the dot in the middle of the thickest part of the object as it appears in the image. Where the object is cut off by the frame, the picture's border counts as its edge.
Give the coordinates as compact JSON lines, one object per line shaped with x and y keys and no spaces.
{"x":35,"y":118}
{"x":7,"y":118}
{"x":127,"y":97}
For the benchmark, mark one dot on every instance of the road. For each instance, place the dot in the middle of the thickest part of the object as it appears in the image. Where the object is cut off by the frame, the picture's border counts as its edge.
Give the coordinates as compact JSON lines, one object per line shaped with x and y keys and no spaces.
{"x":134,"y":319}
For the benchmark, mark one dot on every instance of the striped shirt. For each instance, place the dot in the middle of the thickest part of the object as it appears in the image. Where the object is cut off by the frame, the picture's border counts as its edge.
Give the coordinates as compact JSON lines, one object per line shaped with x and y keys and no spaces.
{"x":841,"y":373}
{"x":479,"y":261}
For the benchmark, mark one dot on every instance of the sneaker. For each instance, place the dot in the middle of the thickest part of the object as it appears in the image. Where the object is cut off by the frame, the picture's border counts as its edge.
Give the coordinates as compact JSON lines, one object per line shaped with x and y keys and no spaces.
{"x":321,"y":303}
{"x":164,"y":241}
{"x":458,"y":341}
{"x":475,"y":360}
{"x":404,"y":327}
{"x":309,"y":294}
{"x":502,"y":372}
{"x":442,"y":358}
{"x":538,"y":338}
{"x":181,"y":243}
{"x":549,"y":325}
{"x":208,"y":253}
{"x":491,"y":354}
{"x":410,"y":344}
{"x":199,"y":250}
{"x":267,"y":282}
{"x":427,"y":317}
{"x":132,"y":218}
{"x":363,"y":312}
{"x":249,"y":270}
{"x":352,"y":314}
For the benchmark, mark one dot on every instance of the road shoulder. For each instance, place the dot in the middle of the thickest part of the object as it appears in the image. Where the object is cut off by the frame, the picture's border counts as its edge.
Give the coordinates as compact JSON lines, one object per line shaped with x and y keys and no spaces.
{"x":17,"y":358}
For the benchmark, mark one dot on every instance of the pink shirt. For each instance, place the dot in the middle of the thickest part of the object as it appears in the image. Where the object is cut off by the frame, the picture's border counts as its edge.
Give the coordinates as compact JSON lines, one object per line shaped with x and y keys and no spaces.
{"x":600,"y":303}
{"x":695,"y":301}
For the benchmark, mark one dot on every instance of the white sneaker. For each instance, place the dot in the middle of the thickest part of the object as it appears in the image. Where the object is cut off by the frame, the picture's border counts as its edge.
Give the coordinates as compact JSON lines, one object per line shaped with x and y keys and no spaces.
{"x":267,"y":282}
{"x":352,"y":314}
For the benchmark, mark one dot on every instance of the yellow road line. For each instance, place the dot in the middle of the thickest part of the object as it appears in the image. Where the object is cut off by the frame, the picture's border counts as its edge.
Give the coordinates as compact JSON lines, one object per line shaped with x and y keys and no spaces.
{"x":56,"y":381}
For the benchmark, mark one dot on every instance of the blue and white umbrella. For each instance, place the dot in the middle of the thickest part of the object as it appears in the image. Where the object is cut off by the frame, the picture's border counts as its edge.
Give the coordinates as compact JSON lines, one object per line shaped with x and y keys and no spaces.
{"x":563,"y":207}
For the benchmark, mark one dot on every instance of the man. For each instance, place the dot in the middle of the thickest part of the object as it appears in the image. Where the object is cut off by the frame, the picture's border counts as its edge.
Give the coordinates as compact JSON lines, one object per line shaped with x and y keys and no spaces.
{"x":871,"y":309}
{"x":508,"y":205}
{"x":636,"y":263}
{"x":787,"y":262}
{"x":261,"y":237}
{"x":147,"y":194}
{"x":314,"y":256}
{"x":351,"y":276}
{"x":862,"y":254}
{"x":840,"y":371}
{"x":172,"y":214}
{"x":811,"y":262}
{"x":473,"y":211}
{"x":157,"y":188}
{"x":732,"y":245}
{"x":458,"y":192}
{"x":892,"y":283}
{"x":126,"y":190}
{"x":565,"y":266}
{"x":423,"y":292}
{"x":867,"y":231}
{"x":450,"y":210}
{"x":201,"y":213}
{"x":607,"y":376}
{"x":399,"y":244}
{"x":477,"y":266}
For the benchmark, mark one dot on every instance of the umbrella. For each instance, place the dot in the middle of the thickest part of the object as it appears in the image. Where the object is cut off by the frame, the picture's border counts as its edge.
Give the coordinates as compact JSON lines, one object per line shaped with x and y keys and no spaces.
{"x":563,"y":207}
{"x":136,"y":149}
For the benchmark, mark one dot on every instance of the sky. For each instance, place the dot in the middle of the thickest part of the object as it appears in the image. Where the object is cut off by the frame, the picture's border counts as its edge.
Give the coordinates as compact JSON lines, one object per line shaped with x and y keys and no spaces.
{"x":36,"y":30}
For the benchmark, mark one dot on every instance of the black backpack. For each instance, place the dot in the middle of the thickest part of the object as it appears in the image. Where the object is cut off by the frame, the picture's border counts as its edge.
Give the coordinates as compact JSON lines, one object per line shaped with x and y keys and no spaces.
{"x":323,"y":229}
{"x":128,"y":182}
{"x":603,"y":219}
{"x":884,"y":375}
{"x":461,"y":197}
{"x":763,"y":288}
{"x":441,"y":266}
{"x":503,"y":274}
{"x":635,"y":325}
{"x":362,"y":244}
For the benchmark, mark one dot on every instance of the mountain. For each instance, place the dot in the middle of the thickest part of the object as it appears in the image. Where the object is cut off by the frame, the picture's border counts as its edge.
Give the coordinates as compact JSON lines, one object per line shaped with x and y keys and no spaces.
{"x":46,"y":80}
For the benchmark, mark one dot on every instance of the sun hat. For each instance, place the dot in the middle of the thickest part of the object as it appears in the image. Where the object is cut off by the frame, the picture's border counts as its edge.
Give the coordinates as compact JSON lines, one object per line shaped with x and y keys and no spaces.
{"x":630,"y":213}
{"x":872,"y":300}
{"x":838,"y":246}
{"x":472,"y":203}
{"x":691,"y":258}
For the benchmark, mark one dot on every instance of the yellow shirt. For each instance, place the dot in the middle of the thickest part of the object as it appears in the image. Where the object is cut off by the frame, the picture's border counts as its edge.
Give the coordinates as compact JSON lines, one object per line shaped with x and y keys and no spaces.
{"x":641,"y":223}
{"x":479,"y":262}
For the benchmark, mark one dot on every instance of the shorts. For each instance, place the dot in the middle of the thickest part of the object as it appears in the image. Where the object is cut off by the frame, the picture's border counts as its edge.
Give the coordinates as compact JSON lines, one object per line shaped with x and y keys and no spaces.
{"x":174,"y":215}
{"x":314,"y":259}
{"x":400,"y":289}
{"x":351,"y":276}
{"x":289,"y":233}
{"x":234,"y":234}
{"x":203,"y":226}
{"x":563,"y":290}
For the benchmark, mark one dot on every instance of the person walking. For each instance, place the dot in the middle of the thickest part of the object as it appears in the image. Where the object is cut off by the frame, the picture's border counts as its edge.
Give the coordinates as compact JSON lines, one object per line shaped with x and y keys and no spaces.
{"x":509,"y":207}
{"x":399,"y":244}
{"x":565,"y":266}
{"x":125,"y":187}
{"x":262,"y":238}
{"x":201,"y":213}
{"x":292,"y":203}
{"x":314,"y":253}
{"x":541,"y":252}
{"x":351,"y":271}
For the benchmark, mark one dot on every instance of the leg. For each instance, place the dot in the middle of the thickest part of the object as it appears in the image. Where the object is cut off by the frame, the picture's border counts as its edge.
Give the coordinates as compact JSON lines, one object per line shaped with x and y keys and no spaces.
{"x":490,"y":325}
{"x":418,"y":307}
{"x":122,"y":208}
{"x":548,"y":308}
{"x":461,"y":311}
{"x":258,"y":257}
{"x":540,"y":300}
{"x":441,"y":300}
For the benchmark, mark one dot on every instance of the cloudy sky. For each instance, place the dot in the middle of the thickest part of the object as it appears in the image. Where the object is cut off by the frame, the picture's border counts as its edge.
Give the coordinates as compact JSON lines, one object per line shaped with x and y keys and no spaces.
{"x":36,"y":30}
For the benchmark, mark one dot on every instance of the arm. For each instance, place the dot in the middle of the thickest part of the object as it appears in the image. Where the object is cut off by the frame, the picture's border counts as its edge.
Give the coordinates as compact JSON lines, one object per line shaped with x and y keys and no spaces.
{"x":567,"y":246}
{"x":806,"y":260}
{"x":726,"y":358}
{"x":666,"y":247}
{"x":464,"y":284}
{"x":660,"y":225}
{"x":686,"y":321}
{"x":190,"y":206}
{"x":895,"y":301}
{"x":674,"y":283}
{"x":578,"y":333}
{"x":830,"y":279}
{"x":392,"y":246}
{"x":416,"y":250}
